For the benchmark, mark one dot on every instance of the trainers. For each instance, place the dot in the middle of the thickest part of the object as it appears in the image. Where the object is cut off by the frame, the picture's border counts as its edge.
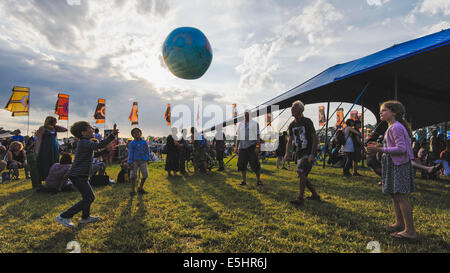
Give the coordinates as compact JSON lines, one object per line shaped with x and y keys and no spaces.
{"x":298,"y":202}
{"x":259,"y":183}
{"x":141,"y":191}
{"x":356,"y":174}
{"x":315,"y":198}
{"x":284,"y":168}
{"x":90,"y":219}
{"x":243,"y":183}
{"x":64,"y":221}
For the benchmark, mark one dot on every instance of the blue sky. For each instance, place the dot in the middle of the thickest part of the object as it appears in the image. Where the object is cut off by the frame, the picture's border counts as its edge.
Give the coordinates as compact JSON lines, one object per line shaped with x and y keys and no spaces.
{"x":111,"y":49}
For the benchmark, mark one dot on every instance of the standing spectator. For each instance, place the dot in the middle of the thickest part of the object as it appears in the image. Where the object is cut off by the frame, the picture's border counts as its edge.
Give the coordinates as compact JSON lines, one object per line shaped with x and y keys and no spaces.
{"x":357,"y":143}
{"x":302,"y":131}
{"x":97,"y":135}
{"x":183,"y":151}
{"x":281,"y":150}
{"x":349,"y":147}
{"x":397,"y":170}
{"x":47,"y":150}
{"x":172,"y":161}
{"x":138,"y":157}
{"x":435,"y":145}
{"x":219,"y":145}
{"x":199,"y":151}
{"x":248,"y":147}
{"x":17,"y":159}
{"x":18,"y":137}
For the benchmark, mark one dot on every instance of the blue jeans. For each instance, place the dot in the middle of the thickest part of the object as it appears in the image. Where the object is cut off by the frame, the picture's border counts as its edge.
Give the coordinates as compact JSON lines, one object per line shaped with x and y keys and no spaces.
{"x":82,"y":184}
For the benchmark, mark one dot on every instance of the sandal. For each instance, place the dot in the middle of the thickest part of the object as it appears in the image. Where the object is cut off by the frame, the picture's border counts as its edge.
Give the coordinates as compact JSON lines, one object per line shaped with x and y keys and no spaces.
{"x":393,"y":229}
{"x":399,"y":235}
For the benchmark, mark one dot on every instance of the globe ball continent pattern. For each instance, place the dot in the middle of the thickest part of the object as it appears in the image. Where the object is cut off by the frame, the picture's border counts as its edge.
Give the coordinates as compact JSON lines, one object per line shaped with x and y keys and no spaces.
{"x":187,"y":53}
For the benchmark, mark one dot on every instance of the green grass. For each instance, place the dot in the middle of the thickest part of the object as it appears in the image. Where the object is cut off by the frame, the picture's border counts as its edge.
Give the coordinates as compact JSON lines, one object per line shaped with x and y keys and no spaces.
{"x":211,"y":213}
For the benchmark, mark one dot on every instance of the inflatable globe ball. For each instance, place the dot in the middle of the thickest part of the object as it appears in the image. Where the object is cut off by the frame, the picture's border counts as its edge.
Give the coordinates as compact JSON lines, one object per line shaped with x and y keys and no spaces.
{"x":187,"y":53}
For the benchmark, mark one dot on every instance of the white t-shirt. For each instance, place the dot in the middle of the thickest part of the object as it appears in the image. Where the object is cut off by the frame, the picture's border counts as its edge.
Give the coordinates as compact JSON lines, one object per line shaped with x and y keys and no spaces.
{"x":348,"y":146}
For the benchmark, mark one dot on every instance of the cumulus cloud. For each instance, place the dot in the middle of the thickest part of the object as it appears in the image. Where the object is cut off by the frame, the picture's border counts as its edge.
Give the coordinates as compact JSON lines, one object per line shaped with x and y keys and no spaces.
{"x":157,"y":7}
{"x":306,"y":34}
{"x":437,"y":27}
{"x":376,"y":2}
{"x":434,"y":6}
{"x":63,"y":26}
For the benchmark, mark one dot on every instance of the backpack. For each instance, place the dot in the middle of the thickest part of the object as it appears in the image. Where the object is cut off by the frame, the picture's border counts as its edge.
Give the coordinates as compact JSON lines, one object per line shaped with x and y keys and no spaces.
{"x":99,"y":180}
{"x":122,"y":177}
{"x":340,"y":137}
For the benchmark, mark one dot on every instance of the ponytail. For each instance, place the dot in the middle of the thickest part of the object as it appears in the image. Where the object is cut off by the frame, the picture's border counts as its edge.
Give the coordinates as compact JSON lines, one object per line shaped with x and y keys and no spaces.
{"x":407,"y":126}
{"x":399,"y":111}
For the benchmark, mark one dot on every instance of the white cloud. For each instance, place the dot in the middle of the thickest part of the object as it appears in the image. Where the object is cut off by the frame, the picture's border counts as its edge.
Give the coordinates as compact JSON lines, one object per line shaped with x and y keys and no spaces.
{"x":434,"y":6}
{"x":376,"y":2}
{"x":303,"y":36}
{"x":437,"y":27}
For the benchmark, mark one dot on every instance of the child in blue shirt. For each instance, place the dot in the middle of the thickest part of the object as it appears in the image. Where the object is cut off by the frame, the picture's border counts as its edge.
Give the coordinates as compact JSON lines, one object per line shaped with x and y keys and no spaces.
{"x":138,"y":156}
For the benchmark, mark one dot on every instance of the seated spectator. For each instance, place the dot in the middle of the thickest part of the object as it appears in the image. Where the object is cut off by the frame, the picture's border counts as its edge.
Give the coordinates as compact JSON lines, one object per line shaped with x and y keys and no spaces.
{"x":424,"y":151}
{"x":98,"y":166}
{"x":18,"y":137}
{"x":57,"y":179}
{"x":2,"y":158}
{"x":17,"y":159}
{"x":445,"y":160}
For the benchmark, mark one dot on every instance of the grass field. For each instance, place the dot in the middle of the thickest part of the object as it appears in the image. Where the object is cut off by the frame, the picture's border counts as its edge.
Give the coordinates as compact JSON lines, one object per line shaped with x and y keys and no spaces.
{"x":211,"y":213}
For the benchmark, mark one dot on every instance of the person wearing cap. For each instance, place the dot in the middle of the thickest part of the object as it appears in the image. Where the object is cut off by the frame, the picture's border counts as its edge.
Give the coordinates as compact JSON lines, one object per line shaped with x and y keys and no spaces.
{"x":18,"y":137}
{"x":247,"y":148}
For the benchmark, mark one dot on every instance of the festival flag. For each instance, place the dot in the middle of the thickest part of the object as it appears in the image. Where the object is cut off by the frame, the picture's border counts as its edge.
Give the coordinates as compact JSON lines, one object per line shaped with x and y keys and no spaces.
{"x":321,"y":116}
{"x":62,"y":107}
{"x":19,"y":102}
{"x":167,"y":115}
{"x":269,"y":119}
{"x":367,"y":133}
{"x":235,"y":113}
{"x":134,"y":118}
{"x":100,"y":111}
{"x":340,"y":117}
{"x":354,"y":114}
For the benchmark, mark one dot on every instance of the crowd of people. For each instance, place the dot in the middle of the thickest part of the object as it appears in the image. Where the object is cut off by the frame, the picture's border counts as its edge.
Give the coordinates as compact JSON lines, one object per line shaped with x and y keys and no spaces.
{"x":391,"y":152}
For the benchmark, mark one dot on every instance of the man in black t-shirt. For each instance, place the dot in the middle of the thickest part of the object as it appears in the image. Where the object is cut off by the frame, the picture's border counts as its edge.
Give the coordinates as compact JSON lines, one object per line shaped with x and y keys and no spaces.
{"x":302,"y":131}
{"x":219,"y":145}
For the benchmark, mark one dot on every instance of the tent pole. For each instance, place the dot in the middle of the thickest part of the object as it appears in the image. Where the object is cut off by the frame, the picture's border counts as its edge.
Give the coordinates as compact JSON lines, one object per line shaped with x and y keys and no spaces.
{"x":363,"y":137}
{"x":348,"y":112}
{"x":326,"y":134}
{"x":332,"y":115}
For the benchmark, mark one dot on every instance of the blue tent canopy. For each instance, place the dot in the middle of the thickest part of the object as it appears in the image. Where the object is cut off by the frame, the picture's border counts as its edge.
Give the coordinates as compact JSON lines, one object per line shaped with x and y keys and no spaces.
{"x":418,"y":69}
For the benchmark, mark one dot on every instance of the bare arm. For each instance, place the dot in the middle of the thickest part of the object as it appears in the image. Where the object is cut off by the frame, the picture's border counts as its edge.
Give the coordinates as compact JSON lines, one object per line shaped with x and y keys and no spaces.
{"x":288,"y":148}
{"x":60,"y":129}
{"x":39,"y":135}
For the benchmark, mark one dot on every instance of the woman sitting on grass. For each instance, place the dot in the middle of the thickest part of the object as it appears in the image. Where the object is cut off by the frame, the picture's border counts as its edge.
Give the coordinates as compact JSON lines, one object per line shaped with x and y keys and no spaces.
{"x":57,"y":179}
{"x":397,"y":170}
{"x":17,"y":159}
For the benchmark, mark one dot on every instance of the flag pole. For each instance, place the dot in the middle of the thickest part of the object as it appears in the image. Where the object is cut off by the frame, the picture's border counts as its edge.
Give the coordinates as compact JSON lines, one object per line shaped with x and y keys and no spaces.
{"x":29,"y":109}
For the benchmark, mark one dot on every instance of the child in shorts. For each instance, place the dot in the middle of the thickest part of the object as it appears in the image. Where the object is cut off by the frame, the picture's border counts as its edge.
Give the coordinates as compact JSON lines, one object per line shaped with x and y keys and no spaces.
{"x":138,"y":157}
